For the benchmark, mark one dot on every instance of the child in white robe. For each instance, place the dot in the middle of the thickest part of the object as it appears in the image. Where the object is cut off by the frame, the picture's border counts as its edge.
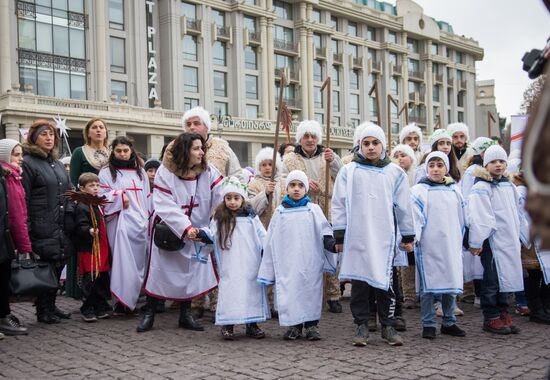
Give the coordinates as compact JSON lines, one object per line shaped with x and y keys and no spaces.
{"x":439,"y":223}
{"x":238,"y":237}
{"x":496,"y":228}
{"x":294,"y":259}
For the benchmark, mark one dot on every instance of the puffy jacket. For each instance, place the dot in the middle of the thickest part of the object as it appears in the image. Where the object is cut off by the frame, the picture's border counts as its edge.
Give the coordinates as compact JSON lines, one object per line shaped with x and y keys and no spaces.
{"x":6,"y":248}
{"x":83,"y":240}
{"x":45,"y":181}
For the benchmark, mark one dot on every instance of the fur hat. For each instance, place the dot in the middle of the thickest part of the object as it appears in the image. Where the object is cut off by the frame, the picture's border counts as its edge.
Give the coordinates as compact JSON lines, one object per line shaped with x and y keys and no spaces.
{"x":440,"y":134}
{"x":437,"y":154}
{"x":481,"y":144}
{"x":6,"y":147}
{"x":264,"y":155}
{"x":201,"y":113}
{"x":298,"y":175}
{"x":309,"y":126}
{"x":373,"y":130}
{"x":358,"y":130}
{"x":410,"y":128}
{"x":458,"y":127}
{"x":494,"y":152}
{"x":404,"y":148}
{"x":233,"y":185}
{"x":151,"y":163}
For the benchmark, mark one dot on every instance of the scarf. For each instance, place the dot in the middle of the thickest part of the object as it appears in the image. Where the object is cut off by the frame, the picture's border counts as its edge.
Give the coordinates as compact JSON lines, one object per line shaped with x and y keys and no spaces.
{"x":446,"y":181}
{"x":124,"y":164}
{"x":290,"y":203}
{"x":358,"y":157}
{"x":98,"y":158}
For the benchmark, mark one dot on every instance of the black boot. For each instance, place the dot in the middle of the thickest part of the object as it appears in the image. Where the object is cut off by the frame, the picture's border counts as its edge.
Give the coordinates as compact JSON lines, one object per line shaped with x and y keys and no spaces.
{"x":54,"y":309}
{"x":187,"y":321}
{"x":43,"y":312}
{"x":148,"y":318}
{"x":334,"y":306}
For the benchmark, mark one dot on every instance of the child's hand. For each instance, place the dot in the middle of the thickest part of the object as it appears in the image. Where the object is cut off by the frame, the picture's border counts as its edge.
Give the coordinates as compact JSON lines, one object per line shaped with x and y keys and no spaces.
{"x":270,"y":187}
{"x":125,"y":202}
{"x":475,"y":251}
{"x":339,"y":248}
{"x":192,"y":234}
{"x":93,"y":232}
{"x":407,"y":247}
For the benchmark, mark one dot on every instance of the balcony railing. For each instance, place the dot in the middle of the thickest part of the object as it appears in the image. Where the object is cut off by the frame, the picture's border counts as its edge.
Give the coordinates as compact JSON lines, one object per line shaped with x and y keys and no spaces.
{"x":357,"y":61}
{"x":397,"y":69}
{"x":321,"y":52}
{"x":284,"y":45}
{"x":416,"y":74}
{"x":254,"y":36}
{"x":439,"y":78}
{"x":419,"y":119}
{"x":450,"y":82}
{"x":223,"y":31}
{"x":338,"y":57}
{"x":291,"y":102}
{"x":193,"y":24}
{"x":463,"y":84}
{"x":290,"y":72}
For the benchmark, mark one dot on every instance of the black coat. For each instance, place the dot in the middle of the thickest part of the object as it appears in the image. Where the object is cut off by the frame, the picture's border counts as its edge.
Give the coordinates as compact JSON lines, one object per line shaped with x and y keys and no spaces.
{"x":50,"y":217}
{"x":84,"y":240}
{"x":6,"y":248}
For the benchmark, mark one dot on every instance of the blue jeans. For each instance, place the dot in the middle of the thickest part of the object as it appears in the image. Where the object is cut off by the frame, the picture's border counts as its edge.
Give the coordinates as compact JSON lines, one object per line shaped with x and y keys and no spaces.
{"x":427,"y":309}
{"x":493,"y":301}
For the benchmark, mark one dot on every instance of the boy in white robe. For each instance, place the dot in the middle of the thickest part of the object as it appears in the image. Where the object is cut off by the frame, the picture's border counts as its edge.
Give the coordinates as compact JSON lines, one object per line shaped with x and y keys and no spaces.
{"x":496,"y":227}
{"x":439,"y":223}
{"x":411,"y":135}
{"x":370,"y":195}
{"x":294,"y":259}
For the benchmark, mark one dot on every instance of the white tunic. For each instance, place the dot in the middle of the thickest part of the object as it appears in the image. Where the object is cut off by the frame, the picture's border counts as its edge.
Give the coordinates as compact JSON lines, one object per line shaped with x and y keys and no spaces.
{"x":241,"y":299}
{"x":494,"y":214}
{"x":183,"y":204}
{"x":439,"y":223}
{"x":126,"y":231}
{"x":420,"y":173}
{"x":294,"y":260}
{"x":363,"y":203}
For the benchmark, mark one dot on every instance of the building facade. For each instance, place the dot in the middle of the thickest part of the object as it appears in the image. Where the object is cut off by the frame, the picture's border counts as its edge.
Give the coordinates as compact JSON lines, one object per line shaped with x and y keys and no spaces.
{"x":140,"y":64}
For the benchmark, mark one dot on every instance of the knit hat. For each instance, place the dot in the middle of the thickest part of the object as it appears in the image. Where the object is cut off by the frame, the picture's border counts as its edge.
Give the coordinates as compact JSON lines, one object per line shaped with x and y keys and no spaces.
{"x":201,"y":113}
{"x":6,"y":147}
{"x":358,"y":130}
{"x":233,"y":185}
{"x":481,"y":144}
{"x":458,"y":127}
{"x":404,"y":148}
{"x":66,"y":160}
{"x":410,"y":128}
{"x":264,"y":155}
{"x":151,"y":163}
{"x":494,"y":152}
{"x":298,"y":175}
{"x":309,"y":126}
{"x":437,"y":154}
{"x":373,"y":130}
{"x":440,"y":134}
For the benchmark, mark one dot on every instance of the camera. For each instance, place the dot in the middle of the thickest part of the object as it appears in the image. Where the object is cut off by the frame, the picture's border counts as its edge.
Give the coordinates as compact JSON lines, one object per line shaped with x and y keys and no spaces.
{"x":534,"y":61}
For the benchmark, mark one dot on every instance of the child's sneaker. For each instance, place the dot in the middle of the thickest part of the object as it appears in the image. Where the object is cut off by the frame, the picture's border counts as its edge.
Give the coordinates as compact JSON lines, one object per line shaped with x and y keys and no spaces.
{"x":496,"y":326}
{"x":312,"y":333}
{"x":429,"y":332}
{"x":507,"y":319}
{"x":391,"y":336}
{"x":361,"y":335}
{"x":227,"y":333}
{"x":293,"y":333}
{"x":453,"y":330}
{"x":89,"y":315}
{"x":253,"y":331}
{"x":522,"y":310}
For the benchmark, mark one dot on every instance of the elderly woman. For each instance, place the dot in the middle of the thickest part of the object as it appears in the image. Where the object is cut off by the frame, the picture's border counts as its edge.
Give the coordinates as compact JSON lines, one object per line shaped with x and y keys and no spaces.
{"x":45,"y":181}
{"x":186,"y":190}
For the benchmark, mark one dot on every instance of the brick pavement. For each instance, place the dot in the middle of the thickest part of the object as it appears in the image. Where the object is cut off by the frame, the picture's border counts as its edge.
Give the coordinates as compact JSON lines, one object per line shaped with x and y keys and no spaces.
{"x":112,"y":349}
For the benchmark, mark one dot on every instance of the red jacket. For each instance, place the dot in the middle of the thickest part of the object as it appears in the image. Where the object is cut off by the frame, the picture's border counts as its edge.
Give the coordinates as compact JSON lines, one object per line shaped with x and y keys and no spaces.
{"x":17,"y":209}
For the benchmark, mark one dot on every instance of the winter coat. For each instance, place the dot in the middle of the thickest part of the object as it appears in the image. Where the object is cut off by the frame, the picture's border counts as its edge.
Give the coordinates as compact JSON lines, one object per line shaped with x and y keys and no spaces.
{"x":50,"y":218}
{"x":17,"y":208}
{"x":6,"y":249}
{"x":84,"y":240}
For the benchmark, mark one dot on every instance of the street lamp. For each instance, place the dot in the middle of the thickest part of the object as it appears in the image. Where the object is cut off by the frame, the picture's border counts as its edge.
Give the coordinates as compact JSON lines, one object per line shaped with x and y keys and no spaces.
{"x":220,"y":119}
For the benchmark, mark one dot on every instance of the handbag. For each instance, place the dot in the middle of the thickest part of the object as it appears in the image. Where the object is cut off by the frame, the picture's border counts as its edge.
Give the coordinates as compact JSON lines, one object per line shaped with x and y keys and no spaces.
{"x":31,"y":277}
{"x":165,"y":238}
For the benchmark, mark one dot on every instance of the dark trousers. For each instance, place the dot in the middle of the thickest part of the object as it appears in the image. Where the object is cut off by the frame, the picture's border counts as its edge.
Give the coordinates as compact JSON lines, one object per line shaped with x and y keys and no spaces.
{"x":398,"y":291}
{"x":360,"y":305}
{"x":5,"y":275}
{"x":477,"y":288}
{"x":96,"y":292}
{"x":45,"y":303}
{"x":536,"y":291}
{"x":493,"y":301}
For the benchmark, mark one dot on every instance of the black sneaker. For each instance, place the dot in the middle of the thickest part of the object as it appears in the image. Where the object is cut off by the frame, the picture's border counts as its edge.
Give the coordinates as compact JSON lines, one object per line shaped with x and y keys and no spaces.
{"x":227,"y":333}
{"x":10,"y":325}
{"x":312,"y":333}
{"x":391,"y":336}
{"x":400,"y":324}
{"x":453,"y":330}
{"x":361,"y":336}
{"x":429,"y":332}
{"x":334,"y":307}
{"x":102,"y":314}
{"x":253,"y":331}
{"x":293,"y":333}
{"x":89,"y":316}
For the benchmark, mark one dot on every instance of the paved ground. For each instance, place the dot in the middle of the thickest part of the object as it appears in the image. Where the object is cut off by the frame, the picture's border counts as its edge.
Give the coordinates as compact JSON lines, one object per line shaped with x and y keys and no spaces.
{"x":112,"y":349}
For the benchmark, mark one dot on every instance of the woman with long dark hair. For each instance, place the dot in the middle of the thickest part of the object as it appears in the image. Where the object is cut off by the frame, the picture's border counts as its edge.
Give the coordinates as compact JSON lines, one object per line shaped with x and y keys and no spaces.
{"x":186,"y":190}
{"x":125,"y":184}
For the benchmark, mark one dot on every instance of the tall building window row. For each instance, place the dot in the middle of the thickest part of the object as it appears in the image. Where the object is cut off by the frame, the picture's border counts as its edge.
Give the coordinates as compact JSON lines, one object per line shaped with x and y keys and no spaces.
{"x":118,"y":55}
{"x":116,"y":14}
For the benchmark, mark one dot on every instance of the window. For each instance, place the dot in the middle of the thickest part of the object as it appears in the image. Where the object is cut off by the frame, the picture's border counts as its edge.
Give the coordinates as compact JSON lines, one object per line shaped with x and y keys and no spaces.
{"x":355,"y":122}
{"x":412,"y":45}
{"x":317,"y":40}
{"x":435,"y":93}
{"x":316,"y":15}
{"x":449,"y":53}
{"x":335,"y":101}
{"x":334,"y":22}
{"x":414,"y":87}
{"x":372,"y":55}
{"x":460,"y":99}
{"x":283,"y":9}
{"x":189,"y":10}
{"x":118,"y":88}
{"x":459,"y":75}
{"x":392,"y":57}
{"x":220,"y":108}
{"x":220,"y":83}
{"x":44,"y":37}
{"x":219,"y":53}
{"x":371,"y":80}
{"x":460,"y":116}
{"x":354,"y":80}
{"x":353,"y":50}
{"x":448,"y":116}
{"x":284,"y":34}
{"x":45,"y":82}
{"x":116,"y":14}
{"x":394,"y":86}
{"x":218,"y":17}
{"x":318,"y":71}
{"x":317,"y":97}
{"x":449,"y":95}
{"x":335,"y":76}
{"x":190,"y":79}
{"x":282,"y":61}
{"x":250,"y":23}
{"x":373,"y":108}
{"x":189,"y":103}
{"x":435,"y":49}
{"x":392,"y":37}
{"x":320,"y":118}
{"x":60,"y":40}
{"x":414,"y":65}
{"x":435,"y":68}
{"x":354,"y":104}
{"x":335,"y":46}
{"x":251,"y":87}
{"x":336,"y":121}
{"x":118,"y":55}
{"x":251,"y":111}
{"x":250,"y":58}
{"x":352,"y":28}
{"x":371,"y":33}
{"x":189,"y":47}
{"x":459,"y":57}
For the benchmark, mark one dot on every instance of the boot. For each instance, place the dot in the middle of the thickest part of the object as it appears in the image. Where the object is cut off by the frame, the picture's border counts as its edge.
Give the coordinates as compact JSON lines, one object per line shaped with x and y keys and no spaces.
{"x":148,"y":318}
{"x":43,"y":313}
{"x":187,"y":321}
{"x":55,"y":310}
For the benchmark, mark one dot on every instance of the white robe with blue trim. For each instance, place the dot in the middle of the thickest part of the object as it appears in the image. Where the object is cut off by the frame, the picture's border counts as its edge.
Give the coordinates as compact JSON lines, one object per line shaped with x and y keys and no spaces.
{"x":494,"y":214}
{"x":439,"y":223}
{"x":294,"y":260}
{"x":363,"y":203}
{"x":241,"y":299}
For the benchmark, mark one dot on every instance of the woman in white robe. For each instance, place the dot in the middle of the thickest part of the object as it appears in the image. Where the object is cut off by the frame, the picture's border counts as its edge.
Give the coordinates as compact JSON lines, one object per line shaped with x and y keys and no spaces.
{"x":125,"y":185}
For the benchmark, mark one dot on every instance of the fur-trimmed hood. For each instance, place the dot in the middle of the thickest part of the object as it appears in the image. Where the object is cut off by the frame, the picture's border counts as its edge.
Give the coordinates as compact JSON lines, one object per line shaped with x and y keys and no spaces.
{"x":35,"y":150}
{"x":483,"y":174}
{"x":169,"y":163}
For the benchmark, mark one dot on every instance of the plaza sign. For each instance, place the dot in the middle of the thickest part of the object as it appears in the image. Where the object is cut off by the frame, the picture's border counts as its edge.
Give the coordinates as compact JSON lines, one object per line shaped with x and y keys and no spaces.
{"x":151,"y":54}
{"x":269,"y":126}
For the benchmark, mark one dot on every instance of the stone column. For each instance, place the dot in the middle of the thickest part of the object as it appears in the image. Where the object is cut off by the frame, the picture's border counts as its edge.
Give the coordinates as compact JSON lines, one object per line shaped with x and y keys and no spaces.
{"x":308,"y":81}
{"x":270,"y":112}
{"x":305,"y":89}
{"x":5,"y":46}
{"x":102,"y":67}
{"x":264,"y":69}
{"x":154,"y":145}
{"x":12,"y":131}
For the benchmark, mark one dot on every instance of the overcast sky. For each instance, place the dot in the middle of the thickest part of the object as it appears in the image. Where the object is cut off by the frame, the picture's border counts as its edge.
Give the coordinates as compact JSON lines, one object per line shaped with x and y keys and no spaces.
{"x":505,"y":29}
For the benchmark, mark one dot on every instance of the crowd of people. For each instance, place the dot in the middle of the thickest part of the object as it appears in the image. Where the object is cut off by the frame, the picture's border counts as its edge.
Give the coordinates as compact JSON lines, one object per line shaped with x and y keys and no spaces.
{"x":408,"y":227}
